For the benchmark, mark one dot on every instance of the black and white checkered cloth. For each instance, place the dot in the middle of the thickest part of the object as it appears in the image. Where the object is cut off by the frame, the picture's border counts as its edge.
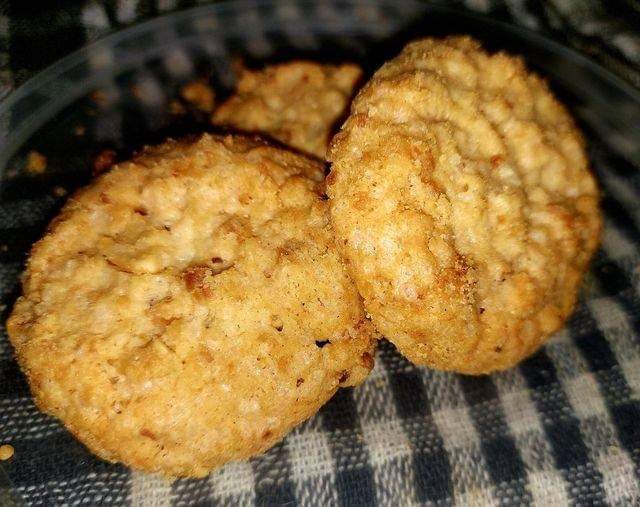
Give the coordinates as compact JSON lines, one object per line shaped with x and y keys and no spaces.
{"x":562,"y":428}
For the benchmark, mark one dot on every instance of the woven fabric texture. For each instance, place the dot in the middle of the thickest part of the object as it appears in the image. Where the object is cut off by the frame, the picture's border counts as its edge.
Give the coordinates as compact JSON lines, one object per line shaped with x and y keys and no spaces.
{"x":562,"y":428}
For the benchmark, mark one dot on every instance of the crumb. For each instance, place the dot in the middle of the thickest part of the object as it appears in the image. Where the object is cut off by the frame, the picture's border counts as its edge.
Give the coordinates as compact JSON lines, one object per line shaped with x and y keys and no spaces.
{"x":36,"y":162}
{"x":199,"y":94}
{"x":80,"y":130}
{"x":59,"y":191}
{"x":367,"y":360}
{"x":6,"y":452}
{"x":237,"y":65}
{"x":4,"y":248}
{"x":176,"y":108}
{"x":99,"y":97}
{"x":103,"y":161}
{"x":136,"y":91}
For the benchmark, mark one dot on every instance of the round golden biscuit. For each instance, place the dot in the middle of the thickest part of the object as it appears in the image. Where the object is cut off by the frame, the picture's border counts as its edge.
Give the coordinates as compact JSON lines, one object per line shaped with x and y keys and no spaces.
{"x":462,"y":200}
{"x":297,"y":103}
{"x":188,"y":308}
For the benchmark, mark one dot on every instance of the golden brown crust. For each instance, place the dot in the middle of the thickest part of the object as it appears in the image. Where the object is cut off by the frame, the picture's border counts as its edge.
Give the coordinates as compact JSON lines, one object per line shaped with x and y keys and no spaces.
{"x":170,"y":315}
{"x":461,"y":197}
{"x":297,"y":103}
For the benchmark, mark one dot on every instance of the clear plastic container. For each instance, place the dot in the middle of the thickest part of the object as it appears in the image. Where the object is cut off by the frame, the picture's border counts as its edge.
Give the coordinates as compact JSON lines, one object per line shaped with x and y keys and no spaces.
{"x":116,"y":92}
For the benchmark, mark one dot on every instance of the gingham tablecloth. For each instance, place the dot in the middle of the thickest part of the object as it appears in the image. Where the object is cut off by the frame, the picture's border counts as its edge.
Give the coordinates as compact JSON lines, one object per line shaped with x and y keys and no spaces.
{"x":562,"y":428}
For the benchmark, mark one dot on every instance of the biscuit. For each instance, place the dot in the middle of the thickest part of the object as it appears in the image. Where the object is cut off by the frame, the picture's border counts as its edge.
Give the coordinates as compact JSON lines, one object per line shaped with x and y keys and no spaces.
{"x":188,"y":307}
{"x":297,"y":103}
{"x":461,"y":197}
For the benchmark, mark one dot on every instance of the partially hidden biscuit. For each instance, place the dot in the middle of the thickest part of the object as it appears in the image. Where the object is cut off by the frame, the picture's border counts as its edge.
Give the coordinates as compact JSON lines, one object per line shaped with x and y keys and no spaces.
{"x":462,"y":199}
{"x":188,"y":307}
{"x":297,"y":103}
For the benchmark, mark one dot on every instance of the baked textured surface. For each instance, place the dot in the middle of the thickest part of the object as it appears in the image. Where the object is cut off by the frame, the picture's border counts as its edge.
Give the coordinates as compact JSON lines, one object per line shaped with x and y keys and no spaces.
{"x":297,"y":103}
{"x":188,"y":308}
{"x":462,"y":200}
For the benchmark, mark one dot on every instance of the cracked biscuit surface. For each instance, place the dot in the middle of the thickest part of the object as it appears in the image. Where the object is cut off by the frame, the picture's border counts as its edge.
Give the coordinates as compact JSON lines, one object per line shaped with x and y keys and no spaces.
{"x":461,"y":197}
{"x":188,"y":308}
{"x":297,"y":103}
